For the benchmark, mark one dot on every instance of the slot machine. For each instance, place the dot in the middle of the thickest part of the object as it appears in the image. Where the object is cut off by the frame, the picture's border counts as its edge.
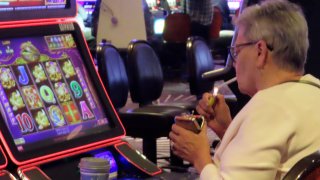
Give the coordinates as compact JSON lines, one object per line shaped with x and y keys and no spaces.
{"x":88,"y":5}
{"x":152,"y":4}
{"x":234,"y":5}
{"x":54,"y":108}
{"x":172,"y":4}
{"x":4,"y":174}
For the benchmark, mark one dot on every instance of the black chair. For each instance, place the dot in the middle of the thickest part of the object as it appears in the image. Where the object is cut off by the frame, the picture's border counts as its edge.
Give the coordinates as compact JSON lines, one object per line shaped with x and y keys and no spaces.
{"x":176,"y":31}
{"x":146,"y":122}
{"x":199,"y":60}
{"x":113,"y":74}
{"x":146,"y":76}
{"x":146,"y":81}
{"x":308,"y":168}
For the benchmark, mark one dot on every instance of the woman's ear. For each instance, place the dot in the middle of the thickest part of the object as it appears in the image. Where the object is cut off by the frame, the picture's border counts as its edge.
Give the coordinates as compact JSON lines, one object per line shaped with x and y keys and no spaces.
{"x":262,"y":52}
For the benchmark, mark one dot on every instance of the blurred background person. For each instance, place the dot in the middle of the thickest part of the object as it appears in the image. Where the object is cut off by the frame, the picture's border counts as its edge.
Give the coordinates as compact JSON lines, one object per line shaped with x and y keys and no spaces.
{"x":201,"y":14}
{"x":225,"y":11}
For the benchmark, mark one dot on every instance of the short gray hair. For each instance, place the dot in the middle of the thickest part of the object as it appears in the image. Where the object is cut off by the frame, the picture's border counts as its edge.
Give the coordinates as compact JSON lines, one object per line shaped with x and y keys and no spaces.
{"x":283,"y":26}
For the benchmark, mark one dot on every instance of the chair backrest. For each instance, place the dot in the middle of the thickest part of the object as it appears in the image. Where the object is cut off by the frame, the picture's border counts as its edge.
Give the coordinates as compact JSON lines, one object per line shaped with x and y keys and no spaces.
{"x":113,"y":74}
{"x":199,"y":59}
{"x":308,"y":168}
{"x":144,"y":72}
{"x":216,"y":24}
{"x":177,"y":28}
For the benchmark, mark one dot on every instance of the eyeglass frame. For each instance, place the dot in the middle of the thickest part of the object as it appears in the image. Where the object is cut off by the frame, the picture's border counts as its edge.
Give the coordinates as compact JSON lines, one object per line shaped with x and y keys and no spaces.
{"x":234,"y":55}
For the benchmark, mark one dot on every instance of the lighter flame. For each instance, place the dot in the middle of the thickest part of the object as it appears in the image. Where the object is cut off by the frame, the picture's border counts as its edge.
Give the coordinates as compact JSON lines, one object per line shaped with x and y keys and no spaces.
{"x":215,"y":91}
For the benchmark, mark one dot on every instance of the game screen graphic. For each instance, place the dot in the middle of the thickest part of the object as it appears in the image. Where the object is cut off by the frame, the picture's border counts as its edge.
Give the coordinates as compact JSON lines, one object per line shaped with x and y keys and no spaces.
{"x":234,"y":5}
{"x":45,"y":92}
{"x":88,"y":5}
{"x":6,"y":5}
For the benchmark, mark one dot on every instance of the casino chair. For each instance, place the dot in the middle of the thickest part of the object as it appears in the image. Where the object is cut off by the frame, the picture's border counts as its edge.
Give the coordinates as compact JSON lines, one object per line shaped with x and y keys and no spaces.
{"x":146,"y":122}
{"x":199,"y":60}
{"x":146,"y":76}
{"x":176,"y":31}
{"x":146,"y":80}
{"x":308,"y":168}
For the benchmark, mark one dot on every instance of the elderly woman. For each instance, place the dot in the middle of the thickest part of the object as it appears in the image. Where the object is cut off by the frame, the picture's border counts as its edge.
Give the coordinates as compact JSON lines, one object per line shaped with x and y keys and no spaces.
{"x":279,"y":125}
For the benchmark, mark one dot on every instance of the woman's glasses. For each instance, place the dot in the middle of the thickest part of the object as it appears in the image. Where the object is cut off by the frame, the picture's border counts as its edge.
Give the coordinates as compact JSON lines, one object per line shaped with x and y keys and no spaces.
{"x":233,"y":49}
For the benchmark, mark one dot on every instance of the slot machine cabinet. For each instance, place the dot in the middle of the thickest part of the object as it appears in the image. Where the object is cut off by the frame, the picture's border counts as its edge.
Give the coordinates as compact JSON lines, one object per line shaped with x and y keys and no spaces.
{"x":125,"y":162}
{"x":54,"y":108}
{"x":4,"y":174}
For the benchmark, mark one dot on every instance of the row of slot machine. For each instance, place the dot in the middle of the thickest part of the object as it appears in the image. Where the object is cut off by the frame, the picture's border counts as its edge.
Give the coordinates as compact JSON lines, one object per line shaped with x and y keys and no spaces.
{"x":159,"y":10}
{"x":157,"y":4}
{"x":54,"y":109}
{"x":159,"y":13}
{"x":176,"y":4}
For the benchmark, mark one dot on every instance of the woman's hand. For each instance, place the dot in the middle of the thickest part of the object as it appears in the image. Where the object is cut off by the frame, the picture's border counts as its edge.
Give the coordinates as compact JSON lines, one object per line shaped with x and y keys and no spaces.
{"x":217,"y":116}
{"x":190,"y":146}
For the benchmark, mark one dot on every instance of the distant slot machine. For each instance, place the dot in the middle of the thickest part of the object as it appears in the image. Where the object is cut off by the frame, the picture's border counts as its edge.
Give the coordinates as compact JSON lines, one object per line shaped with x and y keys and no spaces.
{"x":234,"y":5}
{"x":158,"y":26}
{"x":152,"y":4}
{"x":88,"y":5}
{"x":172,"y":3}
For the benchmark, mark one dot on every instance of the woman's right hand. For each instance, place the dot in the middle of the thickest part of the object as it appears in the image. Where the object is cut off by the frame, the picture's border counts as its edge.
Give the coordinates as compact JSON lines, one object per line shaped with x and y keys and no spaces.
{"x":218,"y":115}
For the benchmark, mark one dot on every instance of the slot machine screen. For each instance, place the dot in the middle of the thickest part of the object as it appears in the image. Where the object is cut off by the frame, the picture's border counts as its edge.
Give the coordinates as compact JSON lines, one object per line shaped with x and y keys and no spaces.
{"x":88,"y":5}
{"x":51,"y":98}
{"x":14,"y":10}
{"x":152,"y":4}
{"x":158,"y":26}
{"x":172,"y":3}
{"x":234,"y":5}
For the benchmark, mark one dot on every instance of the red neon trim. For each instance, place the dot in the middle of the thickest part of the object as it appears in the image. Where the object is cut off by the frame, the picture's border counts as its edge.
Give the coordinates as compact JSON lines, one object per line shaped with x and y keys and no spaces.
{"x":68,"y":155}
{"x":34,"y":23}
{"x":23,"y":170}
{"x":121,"y":143}
{"x":61,"y":154}
{"x":2,"y":166}
{"x":28,"y":22}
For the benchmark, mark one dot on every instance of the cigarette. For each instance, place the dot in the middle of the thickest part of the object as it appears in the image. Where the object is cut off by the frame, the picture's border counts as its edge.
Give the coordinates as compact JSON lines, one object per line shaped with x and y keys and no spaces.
{"x":227,"y":82}
{"x":216,"y":90}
